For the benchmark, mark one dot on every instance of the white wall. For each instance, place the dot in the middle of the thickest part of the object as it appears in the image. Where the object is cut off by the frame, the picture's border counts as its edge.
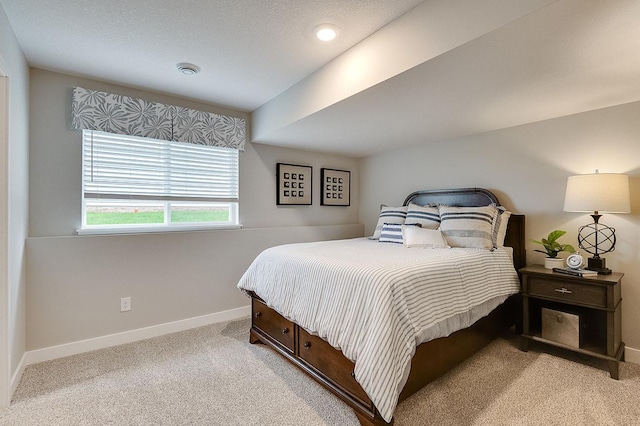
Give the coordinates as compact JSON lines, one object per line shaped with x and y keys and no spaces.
{"x":14,"y":214}
{"x":75,"y":282}
{"x":527,"y":167}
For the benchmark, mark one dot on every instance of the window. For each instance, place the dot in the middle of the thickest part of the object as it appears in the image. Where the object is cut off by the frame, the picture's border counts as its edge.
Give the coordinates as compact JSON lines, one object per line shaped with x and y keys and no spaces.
{"x":136,"y":182}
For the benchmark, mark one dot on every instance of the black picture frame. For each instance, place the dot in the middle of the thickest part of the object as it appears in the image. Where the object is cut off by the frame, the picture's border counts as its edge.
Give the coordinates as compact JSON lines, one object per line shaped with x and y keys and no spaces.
{"x":336,"y":187}
{"x":294,"y":185}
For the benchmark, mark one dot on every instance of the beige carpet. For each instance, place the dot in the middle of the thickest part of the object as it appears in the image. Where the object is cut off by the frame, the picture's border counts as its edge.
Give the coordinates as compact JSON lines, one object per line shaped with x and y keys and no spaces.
{"x":213,"y":376}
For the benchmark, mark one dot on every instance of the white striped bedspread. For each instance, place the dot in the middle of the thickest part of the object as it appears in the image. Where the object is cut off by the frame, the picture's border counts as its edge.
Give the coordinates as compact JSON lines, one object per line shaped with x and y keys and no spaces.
{"x":377,"y":301}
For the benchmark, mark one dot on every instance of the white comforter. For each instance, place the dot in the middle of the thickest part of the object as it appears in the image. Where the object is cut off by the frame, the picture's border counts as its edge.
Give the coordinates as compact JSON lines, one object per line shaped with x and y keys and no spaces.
{"x":377,"y":301}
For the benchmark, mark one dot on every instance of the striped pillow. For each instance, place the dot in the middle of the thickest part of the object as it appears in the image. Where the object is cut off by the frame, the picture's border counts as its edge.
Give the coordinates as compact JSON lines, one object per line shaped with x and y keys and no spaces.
{"x":389,"y":215}
{"x":392,"y":232}
{"x":427,"y":216}
{"x":471,"y":227}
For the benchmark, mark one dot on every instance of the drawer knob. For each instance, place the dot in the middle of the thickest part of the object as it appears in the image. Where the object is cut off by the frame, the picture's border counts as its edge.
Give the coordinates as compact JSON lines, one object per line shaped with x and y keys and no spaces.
{"x":563,"y":290}
{"x":258,"y":314}
{"x":307,"y":345}
{"x":285,"y":330}
{"x":559,"y":318}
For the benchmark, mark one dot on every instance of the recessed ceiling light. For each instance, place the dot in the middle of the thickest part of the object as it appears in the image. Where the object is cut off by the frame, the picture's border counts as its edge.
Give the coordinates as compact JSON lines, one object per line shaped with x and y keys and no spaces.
{"x":187,"y":68}
{"x":326,"y":32}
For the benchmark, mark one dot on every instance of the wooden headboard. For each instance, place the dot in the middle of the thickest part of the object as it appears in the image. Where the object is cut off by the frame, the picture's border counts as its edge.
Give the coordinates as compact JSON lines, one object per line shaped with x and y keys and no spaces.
{"x":476,"y":197}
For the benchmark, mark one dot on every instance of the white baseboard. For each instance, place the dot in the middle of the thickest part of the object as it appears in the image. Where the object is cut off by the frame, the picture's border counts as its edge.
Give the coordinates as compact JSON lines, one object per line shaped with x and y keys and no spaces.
{"x":632,"y":355}
{"x":73,"y":348}
{"x":15,"y":379}
{"x":54,"y":352}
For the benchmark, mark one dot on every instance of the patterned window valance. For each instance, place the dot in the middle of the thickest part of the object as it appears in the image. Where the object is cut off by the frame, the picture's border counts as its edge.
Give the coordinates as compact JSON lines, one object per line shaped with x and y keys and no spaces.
{"x":93,"y":110}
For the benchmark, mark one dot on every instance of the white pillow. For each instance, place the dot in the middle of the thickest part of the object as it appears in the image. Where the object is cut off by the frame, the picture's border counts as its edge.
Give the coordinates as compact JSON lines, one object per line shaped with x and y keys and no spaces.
{"x":414,"y":236}
{"x":471,"y":227}
{"x":503,"y":222}
{"x":389,"y":215}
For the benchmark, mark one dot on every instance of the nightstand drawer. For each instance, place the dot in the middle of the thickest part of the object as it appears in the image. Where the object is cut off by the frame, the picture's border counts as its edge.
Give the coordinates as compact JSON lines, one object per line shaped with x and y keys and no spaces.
{"x":564,"y":290}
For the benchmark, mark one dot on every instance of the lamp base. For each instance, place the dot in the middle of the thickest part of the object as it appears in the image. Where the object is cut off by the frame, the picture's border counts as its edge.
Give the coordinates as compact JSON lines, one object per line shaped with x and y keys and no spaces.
{"x":598,"y":264}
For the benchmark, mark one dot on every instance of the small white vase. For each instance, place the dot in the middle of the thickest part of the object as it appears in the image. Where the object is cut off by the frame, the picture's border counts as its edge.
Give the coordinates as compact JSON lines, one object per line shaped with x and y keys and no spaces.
{"x":553,"y":262}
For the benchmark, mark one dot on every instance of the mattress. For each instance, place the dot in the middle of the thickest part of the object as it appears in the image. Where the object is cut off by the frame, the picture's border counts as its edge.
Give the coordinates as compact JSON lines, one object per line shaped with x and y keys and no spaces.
{"x":376,"y":302}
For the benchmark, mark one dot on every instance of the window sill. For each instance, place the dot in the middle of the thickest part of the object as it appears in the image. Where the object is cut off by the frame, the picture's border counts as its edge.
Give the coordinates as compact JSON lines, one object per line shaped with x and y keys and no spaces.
{"x":152,"y":230}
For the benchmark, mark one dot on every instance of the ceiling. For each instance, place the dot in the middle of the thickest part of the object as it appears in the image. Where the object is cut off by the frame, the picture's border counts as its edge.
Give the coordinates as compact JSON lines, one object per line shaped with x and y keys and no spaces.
{"x":249,"y":50}
{"x":556,"y":58}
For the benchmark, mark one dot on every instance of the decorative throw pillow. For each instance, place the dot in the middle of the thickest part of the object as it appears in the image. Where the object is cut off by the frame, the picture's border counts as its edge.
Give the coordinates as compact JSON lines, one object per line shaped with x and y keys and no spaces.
{"x":470,"y":227}
{"x":389,"y":215}
{"x":418,"y":237}
{"x":392,"y":232}
{"x":426,"y":216}
{"x":502,"y":221}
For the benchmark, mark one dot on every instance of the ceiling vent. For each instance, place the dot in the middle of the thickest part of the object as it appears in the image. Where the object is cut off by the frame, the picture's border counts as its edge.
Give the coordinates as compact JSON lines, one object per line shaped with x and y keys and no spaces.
{"x":187,"y":68}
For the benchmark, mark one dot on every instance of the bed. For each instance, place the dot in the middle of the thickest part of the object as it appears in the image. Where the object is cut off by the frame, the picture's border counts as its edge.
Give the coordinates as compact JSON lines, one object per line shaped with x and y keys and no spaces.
{"x":369,"y":304}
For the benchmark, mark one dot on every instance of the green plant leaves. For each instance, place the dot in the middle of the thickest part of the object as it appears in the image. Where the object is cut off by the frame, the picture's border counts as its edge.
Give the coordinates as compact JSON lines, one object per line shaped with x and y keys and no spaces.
{"x":551,"y":245}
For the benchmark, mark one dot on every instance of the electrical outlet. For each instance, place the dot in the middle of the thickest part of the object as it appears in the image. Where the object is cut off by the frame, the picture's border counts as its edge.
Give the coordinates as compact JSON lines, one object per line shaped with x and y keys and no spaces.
{"x":125,"y":304}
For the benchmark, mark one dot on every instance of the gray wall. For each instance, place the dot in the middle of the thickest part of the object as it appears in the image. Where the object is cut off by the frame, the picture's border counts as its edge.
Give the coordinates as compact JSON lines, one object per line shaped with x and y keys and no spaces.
{"x":14,"y":205}
{"x":527,"y":167}
{"x":75,"y":282}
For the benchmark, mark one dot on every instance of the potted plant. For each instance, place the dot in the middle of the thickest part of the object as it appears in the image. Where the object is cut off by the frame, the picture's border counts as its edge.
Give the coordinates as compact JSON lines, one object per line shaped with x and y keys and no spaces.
{"x":552,"y":247}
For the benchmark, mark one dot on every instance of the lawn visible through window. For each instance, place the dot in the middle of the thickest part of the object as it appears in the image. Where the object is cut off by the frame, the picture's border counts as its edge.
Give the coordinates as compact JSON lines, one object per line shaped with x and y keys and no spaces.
{"x":110,"y":213}
{"x":199,"y":214}
{"x":124,"y":215}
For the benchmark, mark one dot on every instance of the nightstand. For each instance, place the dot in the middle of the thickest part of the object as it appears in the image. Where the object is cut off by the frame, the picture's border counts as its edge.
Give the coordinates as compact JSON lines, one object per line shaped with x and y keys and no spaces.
{"x":594,"y":301}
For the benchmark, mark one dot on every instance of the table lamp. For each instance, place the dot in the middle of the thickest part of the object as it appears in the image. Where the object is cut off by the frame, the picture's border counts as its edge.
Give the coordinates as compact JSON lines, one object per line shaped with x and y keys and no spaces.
{"x":597,"y":193}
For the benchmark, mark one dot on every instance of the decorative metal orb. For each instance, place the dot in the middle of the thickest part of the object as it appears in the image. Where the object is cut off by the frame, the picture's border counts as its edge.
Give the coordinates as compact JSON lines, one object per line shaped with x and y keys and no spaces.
{"x":596,"y":238}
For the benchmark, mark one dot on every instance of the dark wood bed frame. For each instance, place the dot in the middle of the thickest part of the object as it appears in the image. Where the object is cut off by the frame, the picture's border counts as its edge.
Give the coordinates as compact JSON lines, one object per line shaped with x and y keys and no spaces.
{"x":432,"y":359}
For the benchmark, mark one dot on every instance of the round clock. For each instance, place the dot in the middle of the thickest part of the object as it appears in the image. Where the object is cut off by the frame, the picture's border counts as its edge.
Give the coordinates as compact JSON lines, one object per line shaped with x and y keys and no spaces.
{"x":575,"y":261}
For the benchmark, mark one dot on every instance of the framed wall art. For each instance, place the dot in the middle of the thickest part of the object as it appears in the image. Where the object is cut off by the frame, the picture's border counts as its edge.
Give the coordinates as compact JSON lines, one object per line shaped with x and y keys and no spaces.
{"x":336,"y":187}
{"x":294,"y":184}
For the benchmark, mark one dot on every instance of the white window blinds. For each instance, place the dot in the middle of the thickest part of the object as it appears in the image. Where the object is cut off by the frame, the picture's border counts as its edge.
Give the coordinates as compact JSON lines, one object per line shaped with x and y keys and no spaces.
{"x":135,"y":168}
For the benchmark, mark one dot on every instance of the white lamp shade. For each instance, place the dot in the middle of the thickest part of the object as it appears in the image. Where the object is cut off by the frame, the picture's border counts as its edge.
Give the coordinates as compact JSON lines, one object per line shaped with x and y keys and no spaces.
{"x":598,"y":192}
